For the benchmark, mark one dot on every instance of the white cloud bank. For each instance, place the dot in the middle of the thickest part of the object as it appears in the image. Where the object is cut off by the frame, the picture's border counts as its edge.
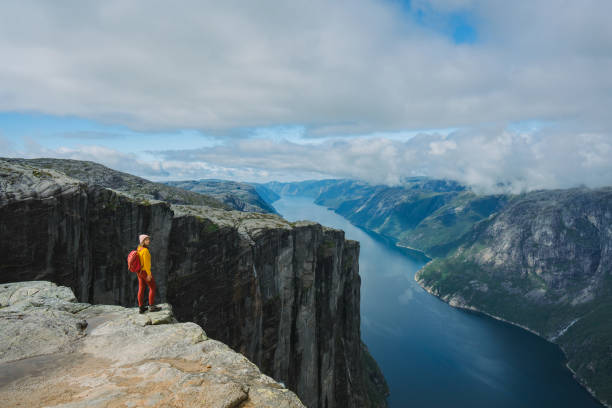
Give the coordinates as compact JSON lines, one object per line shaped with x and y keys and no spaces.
{"x":334,"y":67}
{"x":483,"y":159}
{"x":127,"y":162}
{"x":488,"y":159}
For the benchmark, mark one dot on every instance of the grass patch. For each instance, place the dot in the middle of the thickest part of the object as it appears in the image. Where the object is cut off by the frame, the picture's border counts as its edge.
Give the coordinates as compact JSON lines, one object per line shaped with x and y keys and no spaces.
{"x":41,"y":174}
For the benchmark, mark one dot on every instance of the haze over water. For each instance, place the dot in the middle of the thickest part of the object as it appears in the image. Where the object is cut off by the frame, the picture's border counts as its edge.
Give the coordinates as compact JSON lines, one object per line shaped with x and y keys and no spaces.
{"x":433,"y":355}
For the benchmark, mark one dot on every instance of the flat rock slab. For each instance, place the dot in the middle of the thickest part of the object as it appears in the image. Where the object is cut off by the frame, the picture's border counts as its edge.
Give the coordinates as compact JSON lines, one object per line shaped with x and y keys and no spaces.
{"x":55,"y":355}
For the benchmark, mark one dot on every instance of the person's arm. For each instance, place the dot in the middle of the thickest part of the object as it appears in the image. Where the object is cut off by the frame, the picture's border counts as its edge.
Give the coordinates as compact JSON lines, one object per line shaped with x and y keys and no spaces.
{"x":146,"y":261}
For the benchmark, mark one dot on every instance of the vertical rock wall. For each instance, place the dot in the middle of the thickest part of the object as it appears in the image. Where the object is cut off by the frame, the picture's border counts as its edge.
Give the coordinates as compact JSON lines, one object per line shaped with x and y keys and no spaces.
{"x":289,"y":292}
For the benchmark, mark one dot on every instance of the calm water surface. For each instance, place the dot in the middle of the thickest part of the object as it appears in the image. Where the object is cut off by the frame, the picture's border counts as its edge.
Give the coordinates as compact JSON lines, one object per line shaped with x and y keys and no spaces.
{"x":433,"y":355}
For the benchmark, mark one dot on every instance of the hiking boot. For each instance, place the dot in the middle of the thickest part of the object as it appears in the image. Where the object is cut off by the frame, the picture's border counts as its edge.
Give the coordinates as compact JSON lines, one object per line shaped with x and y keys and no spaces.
{"x":142,"y":309}
{"x":154,"y":308}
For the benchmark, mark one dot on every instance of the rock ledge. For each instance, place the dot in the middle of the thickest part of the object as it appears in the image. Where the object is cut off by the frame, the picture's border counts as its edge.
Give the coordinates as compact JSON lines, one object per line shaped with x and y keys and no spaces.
{"x":58,"y":353}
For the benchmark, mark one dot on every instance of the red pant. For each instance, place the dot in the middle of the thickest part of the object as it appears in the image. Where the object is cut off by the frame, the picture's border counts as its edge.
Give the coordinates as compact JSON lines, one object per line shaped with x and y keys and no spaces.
{"x":142,"y":282}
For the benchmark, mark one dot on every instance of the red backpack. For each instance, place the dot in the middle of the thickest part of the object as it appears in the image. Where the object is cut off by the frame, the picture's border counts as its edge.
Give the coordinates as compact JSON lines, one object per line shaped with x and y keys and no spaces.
{"x":133,"y":261}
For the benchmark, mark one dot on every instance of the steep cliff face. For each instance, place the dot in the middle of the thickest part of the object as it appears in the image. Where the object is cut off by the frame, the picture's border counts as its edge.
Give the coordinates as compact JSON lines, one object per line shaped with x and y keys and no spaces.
{"x":276,"y":292}
{"x":544,"y":262}
{"x":75,"y":234}
{"x":286,"y":295}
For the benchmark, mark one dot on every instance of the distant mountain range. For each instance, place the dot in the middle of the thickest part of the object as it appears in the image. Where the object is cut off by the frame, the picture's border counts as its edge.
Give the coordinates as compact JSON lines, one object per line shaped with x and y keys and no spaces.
{"x":541,"y":260}
{"x":239,"y":196}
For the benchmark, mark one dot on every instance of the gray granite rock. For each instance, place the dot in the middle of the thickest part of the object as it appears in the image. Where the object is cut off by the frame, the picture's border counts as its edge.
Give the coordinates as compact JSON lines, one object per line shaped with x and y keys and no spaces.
{"x":119,"y":362}
{"x":91,"y":173}
{"x":286,"y":295}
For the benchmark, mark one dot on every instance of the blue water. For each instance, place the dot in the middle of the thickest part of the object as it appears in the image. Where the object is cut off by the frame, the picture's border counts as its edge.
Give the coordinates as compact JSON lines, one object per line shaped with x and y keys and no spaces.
{"x":433,"y":355}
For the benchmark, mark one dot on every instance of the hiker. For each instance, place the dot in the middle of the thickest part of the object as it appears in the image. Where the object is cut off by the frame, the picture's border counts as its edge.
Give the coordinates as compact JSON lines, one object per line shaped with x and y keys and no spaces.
{"x":144,"y":276}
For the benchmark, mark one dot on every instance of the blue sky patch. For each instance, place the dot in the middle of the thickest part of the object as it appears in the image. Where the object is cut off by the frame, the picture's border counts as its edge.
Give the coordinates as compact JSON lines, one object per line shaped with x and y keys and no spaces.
{"x":459,"y":26}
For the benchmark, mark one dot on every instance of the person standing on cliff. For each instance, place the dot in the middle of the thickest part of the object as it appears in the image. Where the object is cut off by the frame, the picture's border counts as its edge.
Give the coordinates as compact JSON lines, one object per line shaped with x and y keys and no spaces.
{"x":145,"y":278}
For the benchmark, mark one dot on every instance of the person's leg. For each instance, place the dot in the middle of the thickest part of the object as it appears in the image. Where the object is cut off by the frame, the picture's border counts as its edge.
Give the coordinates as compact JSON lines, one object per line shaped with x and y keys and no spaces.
{"x":152,"y":288}
{"x":141,"y":290}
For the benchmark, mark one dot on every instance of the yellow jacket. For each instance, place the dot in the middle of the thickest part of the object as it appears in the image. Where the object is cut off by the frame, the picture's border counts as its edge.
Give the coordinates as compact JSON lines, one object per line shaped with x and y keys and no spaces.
{"x":145,"y":259}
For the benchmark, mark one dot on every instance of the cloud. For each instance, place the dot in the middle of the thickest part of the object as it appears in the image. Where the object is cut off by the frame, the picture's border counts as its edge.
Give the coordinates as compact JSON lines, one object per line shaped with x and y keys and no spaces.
{"x":490,"y":159}
{"x":147,"y":166}
{"x":91,"y":135}
{"x":126,"y":162}
{"x":333,"y":67}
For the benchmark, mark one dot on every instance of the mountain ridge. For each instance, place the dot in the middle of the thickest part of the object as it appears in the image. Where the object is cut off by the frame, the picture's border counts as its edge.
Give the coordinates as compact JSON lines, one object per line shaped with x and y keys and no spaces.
{"x":540,"y":260}
{"x":239,"y":196}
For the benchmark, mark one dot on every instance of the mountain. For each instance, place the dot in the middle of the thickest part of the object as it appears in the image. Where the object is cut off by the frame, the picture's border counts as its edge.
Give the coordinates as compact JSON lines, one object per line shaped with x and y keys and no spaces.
{"x":309,"y":188}
{"x":543,"y":262}
{"x":239,"y":196}
{"x":266,"y":194}
{"x":540,"y":260}
{"x":429,"y":215}
{"x":286,"y":295}
{"x":137,"y":187}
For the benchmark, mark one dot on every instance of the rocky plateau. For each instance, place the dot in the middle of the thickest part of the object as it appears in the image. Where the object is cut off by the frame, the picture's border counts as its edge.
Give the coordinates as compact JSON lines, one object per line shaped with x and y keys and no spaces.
{"x":57,"y":352}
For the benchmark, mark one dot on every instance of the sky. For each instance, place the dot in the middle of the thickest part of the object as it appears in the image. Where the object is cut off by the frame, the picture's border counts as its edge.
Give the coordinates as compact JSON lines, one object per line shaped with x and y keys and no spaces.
{"x":494,"y":94}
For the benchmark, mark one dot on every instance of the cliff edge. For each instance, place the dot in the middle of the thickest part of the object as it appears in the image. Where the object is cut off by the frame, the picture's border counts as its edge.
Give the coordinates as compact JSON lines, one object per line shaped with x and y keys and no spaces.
{"x":286,"y":295}
{"x":59,"y":353}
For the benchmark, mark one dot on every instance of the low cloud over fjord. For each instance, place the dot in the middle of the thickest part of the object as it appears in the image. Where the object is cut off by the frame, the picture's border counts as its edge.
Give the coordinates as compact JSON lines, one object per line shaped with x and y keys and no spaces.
{"x":488,"y":159}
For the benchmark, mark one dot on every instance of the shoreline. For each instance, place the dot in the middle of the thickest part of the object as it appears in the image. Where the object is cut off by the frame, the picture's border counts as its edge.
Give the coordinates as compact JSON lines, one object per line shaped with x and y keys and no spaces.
{"x":473,"y":309}
{"x":476,"y":310}
{"x":414,"y":251}
{"x":399,"y":244}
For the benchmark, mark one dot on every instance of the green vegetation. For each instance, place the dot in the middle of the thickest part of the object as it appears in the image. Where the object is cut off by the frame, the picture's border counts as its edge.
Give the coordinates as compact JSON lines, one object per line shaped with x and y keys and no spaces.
{"x":113,"y":202}
{"x":376,"y":387}
{"x":459,"y":277}
{"x":329,"y":244}
{"x":326,"y":248}
{"x":210,"y":227}
{"x":587,"y":343}
{"x":444,"y":229}
{"x":593,"y":363}
{"x":431,"y":218}
{"x":41,"y":174}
